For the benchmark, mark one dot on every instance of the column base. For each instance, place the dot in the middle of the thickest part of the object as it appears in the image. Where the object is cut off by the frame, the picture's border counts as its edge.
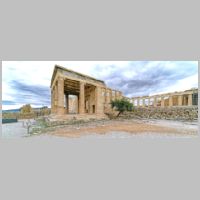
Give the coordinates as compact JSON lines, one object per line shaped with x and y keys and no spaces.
{"x":61,"y":111}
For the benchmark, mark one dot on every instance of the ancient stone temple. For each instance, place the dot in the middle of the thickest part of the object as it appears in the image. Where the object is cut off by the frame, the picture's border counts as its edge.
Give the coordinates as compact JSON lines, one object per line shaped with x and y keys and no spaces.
{"x":83,"y":94}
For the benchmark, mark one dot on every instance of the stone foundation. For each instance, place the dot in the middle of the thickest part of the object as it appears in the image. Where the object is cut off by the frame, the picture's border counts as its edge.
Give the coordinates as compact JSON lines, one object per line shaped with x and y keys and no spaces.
{"x":84,"y":117}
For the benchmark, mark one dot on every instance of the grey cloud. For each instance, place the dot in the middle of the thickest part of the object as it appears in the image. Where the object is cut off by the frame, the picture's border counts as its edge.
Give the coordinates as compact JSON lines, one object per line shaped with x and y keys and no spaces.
{"x":147,"y":79}
{"x":33,"y":94}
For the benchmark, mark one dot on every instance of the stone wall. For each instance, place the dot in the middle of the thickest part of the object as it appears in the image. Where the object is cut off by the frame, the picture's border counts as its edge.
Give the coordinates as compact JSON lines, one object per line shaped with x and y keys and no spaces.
{"x":73,"y":104}
{"x":174,"y":113}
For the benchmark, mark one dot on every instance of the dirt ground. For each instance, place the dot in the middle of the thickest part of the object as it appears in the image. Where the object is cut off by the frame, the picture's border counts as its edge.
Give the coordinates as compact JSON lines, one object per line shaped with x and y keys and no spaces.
{"x":121,"y":128}
{"x":130,"y":127}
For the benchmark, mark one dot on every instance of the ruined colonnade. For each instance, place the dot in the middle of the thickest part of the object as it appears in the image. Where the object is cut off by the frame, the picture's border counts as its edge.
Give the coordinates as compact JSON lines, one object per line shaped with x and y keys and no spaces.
{"x":186,"y":98}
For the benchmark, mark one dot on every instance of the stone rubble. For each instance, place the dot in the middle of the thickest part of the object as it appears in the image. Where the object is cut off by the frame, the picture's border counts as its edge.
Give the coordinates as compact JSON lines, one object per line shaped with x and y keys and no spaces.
{"x":173,"y":113}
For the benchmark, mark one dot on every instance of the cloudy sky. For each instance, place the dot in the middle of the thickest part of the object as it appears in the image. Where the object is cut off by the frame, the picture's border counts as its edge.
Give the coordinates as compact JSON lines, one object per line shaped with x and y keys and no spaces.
{"x":29,"y":81}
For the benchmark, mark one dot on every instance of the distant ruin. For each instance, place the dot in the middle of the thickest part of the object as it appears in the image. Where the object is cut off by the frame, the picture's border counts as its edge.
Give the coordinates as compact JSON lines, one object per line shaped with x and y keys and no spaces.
{"x":184,"y":98}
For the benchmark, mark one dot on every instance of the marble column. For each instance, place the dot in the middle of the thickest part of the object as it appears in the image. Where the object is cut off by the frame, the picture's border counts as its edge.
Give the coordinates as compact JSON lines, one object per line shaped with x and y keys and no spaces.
{"x":149,"y":102}
{"x":113,"y":95}
{"x":120,"y":95}
{"x":60,"y":93}
{"x":56,"y":97}
{"x":110,"y":95}
{"x":53,"y":110}
{"x":170,"y":101}
{"x":98,"y":101}
{"x":51,"y":99}
{"x":53,"y":93}
{"x":162,"y":101}
{"x":143,"y":102}
{"x":180,"y":100}
{"x":82,"y":98}
{"x":138,"y":102}
{"x":190,"y":100}
{"x":67,"y":103}
{"x":133,"y":101}
{"x":107,"y":96}
{"x":155,"y":102}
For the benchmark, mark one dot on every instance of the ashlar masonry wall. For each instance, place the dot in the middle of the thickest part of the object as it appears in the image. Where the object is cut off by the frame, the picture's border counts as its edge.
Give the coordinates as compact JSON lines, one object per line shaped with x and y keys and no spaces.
{"x":173,"y":113}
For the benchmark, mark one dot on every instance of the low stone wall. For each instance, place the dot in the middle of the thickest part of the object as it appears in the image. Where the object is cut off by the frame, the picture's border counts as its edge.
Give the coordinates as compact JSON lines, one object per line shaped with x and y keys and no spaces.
{"x":174,"y":113}
{"x":18,"y":115}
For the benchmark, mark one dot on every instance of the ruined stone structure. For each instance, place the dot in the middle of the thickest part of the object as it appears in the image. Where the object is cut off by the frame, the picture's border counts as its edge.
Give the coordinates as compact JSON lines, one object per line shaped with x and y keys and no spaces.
{"x":91,"y":96}
{"x":171,"y":113}
{"x":185,"y":98}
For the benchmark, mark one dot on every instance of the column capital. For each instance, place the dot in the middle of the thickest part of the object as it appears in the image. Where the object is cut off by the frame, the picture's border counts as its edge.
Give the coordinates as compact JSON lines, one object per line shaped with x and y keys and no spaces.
{"x":82,"y":83}
{"x":60,"y":78}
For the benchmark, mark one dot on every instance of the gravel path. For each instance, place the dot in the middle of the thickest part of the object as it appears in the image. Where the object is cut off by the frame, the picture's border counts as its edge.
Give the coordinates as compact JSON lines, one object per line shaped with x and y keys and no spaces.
{"x":15,"y":130}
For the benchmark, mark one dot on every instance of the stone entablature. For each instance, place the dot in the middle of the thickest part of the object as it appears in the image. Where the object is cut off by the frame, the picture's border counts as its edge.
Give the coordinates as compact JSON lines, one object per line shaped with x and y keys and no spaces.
{"x":93,"y":96}
{"x":183,"y":98}
{"x":63,"y":72}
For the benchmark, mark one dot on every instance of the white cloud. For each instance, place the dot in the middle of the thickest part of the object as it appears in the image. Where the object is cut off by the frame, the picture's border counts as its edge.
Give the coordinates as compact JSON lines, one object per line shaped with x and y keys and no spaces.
{"x":181,"y":85}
